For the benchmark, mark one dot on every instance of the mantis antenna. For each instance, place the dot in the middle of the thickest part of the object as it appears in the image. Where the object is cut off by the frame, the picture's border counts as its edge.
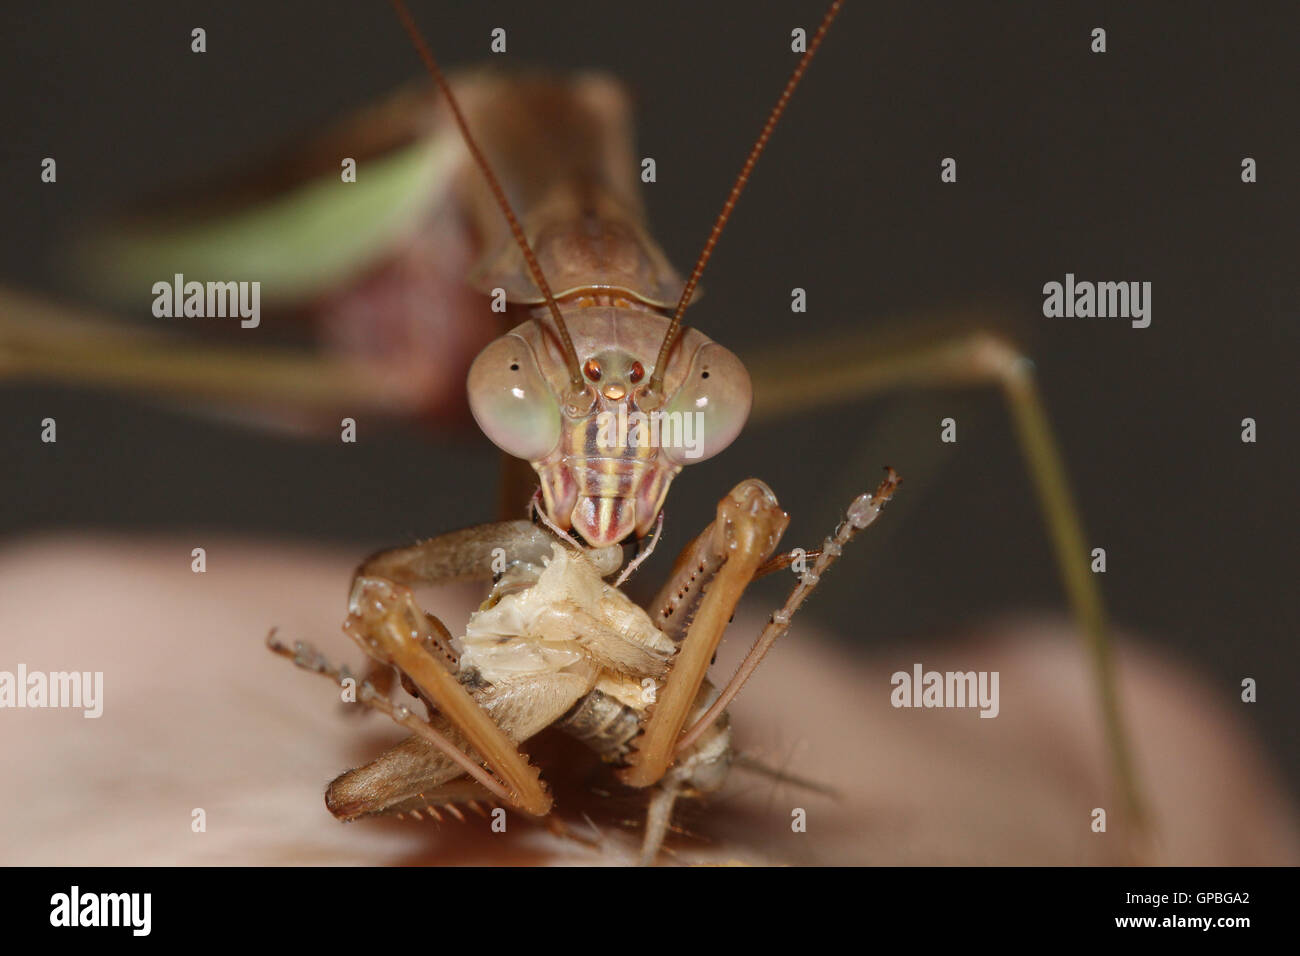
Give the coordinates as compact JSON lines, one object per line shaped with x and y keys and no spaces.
{"x":422,"y":48}
{"x":657,"y":378}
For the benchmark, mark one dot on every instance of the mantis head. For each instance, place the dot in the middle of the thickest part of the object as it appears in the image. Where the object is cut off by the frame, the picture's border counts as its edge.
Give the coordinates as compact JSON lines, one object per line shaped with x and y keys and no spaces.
{"x":607,"y":447}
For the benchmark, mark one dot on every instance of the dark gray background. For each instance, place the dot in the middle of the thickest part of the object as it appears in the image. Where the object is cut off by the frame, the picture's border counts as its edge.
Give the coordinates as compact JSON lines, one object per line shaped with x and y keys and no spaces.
{"x":1123,"y":166}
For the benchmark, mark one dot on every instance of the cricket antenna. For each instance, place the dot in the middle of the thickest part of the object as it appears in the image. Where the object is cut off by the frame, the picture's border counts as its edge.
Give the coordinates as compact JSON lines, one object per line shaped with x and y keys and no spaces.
{"x":422,"y":48}
{"x":657,"y":378}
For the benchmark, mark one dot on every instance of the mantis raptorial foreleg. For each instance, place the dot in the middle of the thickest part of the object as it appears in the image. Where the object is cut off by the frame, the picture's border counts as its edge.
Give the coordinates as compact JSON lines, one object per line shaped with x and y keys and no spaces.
{"x":861,"y":514}
{"x":388,"y":625}
{"x":468,"y":554}
{"x":840,"y":371}
{"x":465,"y":555}
{"x":706,"y":583}
{"x":744,"y":535}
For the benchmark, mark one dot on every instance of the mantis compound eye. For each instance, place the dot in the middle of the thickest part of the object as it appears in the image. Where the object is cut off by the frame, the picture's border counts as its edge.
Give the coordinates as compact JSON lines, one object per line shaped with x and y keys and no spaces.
{"x":511,"y":400}
{"x":710,"y":407}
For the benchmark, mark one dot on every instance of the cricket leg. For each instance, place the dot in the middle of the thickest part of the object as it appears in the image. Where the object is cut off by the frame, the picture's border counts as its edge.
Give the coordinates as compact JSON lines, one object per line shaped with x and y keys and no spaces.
{"x":409,"y":775}
{"x":748,"y":526}
{"x":658,"y":818}
{"x":845,"y":370}
{"x":419,"y":763}
{"x":426,"y":770}
{"x":415,"y":770}
{"x":446,"y":798}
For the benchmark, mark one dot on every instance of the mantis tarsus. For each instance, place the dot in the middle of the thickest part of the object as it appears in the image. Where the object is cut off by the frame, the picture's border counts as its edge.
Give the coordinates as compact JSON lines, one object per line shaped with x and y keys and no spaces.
{"x":973,"y":359}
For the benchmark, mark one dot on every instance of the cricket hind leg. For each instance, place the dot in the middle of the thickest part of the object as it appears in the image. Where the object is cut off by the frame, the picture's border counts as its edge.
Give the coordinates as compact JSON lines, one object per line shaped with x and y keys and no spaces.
{"x":310,"y":659}
{"x":433,"y":758}
{"x":416,"y":770}
{"x":838,"y":371}
{"x":411,"y":775}
{"x":446,"y":800}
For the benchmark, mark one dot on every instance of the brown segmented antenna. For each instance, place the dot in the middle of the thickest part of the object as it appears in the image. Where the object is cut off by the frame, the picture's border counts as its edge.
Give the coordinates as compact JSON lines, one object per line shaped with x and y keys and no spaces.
{"x":657,"y":379}
{"x":422,"y":48}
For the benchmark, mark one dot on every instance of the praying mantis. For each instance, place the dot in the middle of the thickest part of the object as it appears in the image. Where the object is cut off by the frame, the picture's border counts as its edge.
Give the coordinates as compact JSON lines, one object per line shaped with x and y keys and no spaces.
{"x":975,"y":358}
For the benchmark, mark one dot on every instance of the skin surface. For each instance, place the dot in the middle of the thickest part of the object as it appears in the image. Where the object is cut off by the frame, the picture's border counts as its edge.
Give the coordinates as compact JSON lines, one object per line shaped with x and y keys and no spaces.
{"x":198,"y":714}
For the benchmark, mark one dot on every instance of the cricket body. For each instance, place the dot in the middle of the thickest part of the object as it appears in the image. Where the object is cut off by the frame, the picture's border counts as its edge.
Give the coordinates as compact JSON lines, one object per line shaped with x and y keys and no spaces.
{"x":607,"y":397}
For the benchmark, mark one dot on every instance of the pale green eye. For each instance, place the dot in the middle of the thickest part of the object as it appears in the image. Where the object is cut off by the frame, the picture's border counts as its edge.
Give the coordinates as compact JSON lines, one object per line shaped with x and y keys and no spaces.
{"x":708,"y":411}
{"x":512,"y":401}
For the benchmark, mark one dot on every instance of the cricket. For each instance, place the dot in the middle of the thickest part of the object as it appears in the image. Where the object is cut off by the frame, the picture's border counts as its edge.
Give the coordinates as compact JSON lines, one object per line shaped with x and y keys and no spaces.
{"x":598,"y":395}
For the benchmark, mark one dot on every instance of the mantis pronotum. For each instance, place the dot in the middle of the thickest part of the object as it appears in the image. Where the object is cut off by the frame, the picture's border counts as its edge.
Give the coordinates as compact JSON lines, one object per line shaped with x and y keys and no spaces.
{"x":975,"y":359}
